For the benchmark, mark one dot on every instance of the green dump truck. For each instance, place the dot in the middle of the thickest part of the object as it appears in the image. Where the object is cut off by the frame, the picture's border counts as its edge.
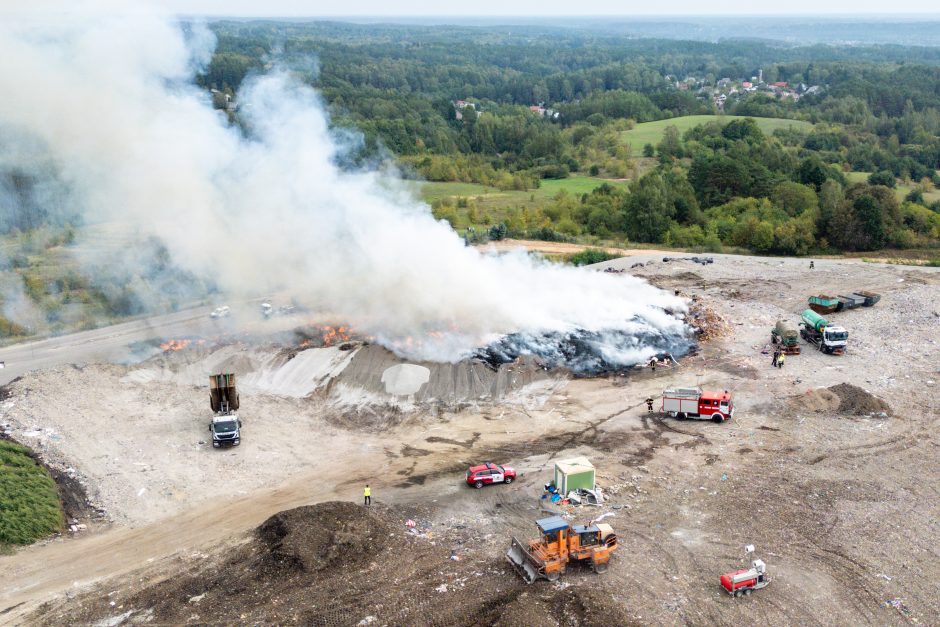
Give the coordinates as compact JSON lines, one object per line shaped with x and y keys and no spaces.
{"x":785,"y":336}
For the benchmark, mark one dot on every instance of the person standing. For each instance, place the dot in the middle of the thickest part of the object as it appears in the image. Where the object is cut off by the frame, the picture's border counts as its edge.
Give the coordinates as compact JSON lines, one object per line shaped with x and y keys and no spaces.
{"x":367,"y":495}
{"x":781,"y":359}
{"x":653,"y":364}
{"x":773,"y":364}
{"x":649,"y":404}
{"x":811,"y":264}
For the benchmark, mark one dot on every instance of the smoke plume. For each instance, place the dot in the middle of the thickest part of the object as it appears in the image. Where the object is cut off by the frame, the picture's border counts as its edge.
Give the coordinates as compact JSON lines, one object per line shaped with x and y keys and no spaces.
{"x":106,"y":101}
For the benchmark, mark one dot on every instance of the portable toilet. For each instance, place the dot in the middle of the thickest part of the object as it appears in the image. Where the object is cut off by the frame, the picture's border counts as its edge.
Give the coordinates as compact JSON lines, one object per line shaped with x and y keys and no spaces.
{"x":574,"y":473}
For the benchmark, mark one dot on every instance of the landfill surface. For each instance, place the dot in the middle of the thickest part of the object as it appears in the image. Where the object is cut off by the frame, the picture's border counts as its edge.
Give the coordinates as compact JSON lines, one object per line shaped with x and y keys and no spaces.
{"x":829,"y":468}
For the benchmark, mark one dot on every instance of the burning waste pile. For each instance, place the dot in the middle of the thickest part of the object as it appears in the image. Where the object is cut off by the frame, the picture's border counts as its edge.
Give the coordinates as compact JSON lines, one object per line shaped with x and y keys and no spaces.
{"x":588,"y":353}
{"x":101,"y":108}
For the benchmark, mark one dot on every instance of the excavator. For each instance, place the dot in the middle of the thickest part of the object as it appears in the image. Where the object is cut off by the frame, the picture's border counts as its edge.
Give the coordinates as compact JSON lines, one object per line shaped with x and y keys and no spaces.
{"x":561,"y":543}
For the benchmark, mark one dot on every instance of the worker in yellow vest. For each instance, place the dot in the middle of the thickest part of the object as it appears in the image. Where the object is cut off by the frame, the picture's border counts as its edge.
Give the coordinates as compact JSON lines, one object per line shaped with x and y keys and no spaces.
{"x":367,"y":495}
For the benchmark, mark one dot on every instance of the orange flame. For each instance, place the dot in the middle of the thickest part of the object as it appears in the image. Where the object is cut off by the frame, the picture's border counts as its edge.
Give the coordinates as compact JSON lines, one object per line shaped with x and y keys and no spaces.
{"x":174,"y":345}
{"x":332,"y":335}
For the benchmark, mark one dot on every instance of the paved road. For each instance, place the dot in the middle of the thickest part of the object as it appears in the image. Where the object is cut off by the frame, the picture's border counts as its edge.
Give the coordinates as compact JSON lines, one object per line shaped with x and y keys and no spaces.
{"x":107,"y":343}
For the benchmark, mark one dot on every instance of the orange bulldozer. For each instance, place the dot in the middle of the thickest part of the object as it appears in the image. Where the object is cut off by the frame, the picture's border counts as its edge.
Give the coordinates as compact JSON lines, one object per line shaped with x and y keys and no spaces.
{"x":560,"y":544}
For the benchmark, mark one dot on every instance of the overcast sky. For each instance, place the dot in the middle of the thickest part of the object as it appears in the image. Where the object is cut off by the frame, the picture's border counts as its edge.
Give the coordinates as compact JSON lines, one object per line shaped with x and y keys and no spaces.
{"x":536,"y":8}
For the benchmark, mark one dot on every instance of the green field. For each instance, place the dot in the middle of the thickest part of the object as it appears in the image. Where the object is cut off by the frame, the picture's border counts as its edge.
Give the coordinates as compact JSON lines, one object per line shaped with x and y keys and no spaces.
{"x":652,"y":132}
{"x":493,"y":199}
{"x":29,"y":499}
{"x":494,"y":204}
{"x":901,"y":190}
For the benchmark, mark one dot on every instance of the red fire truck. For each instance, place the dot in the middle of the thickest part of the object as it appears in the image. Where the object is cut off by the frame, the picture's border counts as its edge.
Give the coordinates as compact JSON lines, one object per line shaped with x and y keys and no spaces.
{"x":696,"y":403}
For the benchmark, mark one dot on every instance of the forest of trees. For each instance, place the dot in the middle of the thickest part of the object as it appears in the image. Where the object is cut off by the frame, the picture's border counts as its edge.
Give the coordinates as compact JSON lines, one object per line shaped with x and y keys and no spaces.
{"x":876,"y":110}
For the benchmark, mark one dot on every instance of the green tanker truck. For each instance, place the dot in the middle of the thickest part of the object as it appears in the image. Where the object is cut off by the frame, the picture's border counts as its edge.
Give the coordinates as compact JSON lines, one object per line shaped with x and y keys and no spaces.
{"x":829,"y":338}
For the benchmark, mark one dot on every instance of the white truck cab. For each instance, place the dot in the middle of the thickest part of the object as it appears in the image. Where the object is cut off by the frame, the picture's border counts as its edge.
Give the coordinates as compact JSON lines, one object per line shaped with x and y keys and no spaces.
{"x":226,"y":430}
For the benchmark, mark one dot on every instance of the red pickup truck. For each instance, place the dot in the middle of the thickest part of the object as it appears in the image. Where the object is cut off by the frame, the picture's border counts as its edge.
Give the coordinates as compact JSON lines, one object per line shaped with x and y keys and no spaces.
{"x":478,"y":476}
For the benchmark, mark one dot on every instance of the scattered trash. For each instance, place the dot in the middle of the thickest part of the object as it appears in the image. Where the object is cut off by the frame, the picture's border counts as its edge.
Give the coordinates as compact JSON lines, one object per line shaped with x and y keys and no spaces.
{"x":604,"y":515}
{"x":885,"y":577}
{"x":441,"y":588}
{"x":410,"y":523}
{"x":197,"y":598}
{"x":368,"y":620}
{"x":897,"y":604}
{"x":724,"y":477}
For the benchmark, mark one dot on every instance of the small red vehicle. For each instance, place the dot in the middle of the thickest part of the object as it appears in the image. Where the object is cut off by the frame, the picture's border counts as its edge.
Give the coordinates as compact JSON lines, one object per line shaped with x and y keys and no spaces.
{"x":743,"y":582}
{"x":479,"y":476}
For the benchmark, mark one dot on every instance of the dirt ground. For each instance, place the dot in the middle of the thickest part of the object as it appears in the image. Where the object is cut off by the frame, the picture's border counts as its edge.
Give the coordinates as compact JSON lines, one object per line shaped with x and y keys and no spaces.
{"x":836,"y":485}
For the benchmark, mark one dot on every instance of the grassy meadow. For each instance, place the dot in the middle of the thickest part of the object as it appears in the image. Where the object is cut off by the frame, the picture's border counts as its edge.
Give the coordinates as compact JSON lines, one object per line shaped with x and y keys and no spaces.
{"x":652,"y":132}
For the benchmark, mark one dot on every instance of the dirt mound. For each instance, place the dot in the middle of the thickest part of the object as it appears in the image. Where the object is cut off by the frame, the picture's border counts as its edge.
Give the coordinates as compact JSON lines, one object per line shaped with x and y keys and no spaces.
{"x":858,"y":402}
{"x":328,"y":535}
{"x":843,"y":398}
{"x":818,"y":400}
{"x":339,"y":564}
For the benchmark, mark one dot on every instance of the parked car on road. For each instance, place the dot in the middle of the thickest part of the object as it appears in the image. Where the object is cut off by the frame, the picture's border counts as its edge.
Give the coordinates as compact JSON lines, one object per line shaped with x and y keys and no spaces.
{"x":221,"y":312}
{"x":479,"y":476}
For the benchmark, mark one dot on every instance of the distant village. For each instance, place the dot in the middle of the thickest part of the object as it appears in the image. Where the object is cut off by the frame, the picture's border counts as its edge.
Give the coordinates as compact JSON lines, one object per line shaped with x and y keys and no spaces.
{"x":719,"y":92}
{"x":726,"y":89}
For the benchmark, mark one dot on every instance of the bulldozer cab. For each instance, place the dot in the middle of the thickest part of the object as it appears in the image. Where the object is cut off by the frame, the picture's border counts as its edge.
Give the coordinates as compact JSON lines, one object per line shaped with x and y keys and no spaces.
{"x":554,"y":532}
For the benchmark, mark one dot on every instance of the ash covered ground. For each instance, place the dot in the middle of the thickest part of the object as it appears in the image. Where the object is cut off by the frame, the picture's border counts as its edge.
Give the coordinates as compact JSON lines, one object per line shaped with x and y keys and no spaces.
{"x":828,"y":467}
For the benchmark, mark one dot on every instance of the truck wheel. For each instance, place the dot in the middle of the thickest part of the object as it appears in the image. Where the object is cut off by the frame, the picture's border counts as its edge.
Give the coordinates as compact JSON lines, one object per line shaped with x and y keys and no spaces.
{"x":600,"y":568}
{"x":718,"y":418}
{"x":507,"y":480}
{"x":478,"y":485}
{"x":553,"y":576}
{"x":747,"y":592}
{"x":680,"y":416}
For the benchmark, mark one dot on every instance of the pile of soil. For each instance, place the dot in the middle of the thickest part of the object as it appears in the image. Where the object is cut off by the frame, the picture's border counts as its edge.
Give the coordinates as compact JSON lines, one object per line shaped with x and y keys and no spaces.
{"x":317,"y":537}
{"x":844,"y":398}
{"x":820,"y":400}
{"x":342,"y":564}
{"x":855,"y":401}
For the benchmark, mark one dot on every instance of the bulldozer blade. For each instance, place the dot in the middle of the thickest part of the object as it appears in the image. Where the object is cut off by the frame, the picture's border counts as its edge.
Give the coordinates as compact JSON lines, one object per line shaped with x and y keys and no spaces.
{"x":526,"y":565}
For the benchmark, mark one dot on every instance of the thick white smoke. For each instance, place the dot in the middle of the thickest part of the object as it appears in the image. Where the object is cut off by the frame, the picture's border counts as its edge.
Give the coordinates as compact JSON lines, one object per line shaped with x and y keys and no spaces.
{"x":109,"y":98}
